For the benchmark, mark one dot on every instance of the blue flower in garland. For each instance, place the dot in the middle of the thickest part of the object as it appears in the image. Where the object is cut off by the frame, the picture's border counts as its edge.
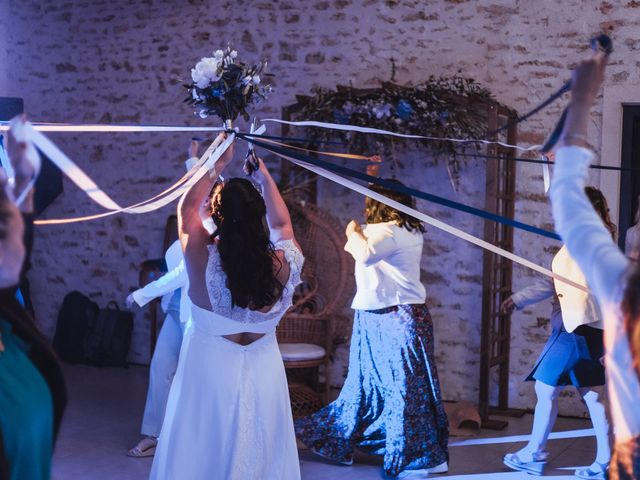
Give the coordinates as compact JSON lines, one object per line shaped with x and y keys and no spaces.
{"x":217,"y":92}
{"x":404,"y":109}
{"x":444,"y":116}
{"x":340,"y":116}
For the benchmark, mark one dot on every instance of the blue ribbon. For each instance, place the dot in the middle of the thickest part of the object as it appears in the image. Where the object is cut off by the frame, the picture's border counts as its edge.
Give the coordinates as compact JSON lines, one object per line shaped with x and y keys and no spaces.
{"x":348,"y":172}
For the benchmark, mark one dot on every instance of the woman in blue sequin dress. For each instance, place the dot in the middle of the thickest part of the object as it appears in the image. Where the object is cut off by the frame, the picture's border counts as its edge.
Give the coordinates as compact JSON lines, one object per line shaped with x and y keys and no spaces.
{"x":390,"y":404}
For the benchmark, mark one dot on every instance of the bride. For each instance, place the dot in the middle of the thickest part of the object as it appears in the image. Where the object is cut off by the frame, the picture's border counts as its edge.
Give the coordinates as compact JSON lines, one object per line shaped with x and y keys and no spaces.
{"x":228,"y":415}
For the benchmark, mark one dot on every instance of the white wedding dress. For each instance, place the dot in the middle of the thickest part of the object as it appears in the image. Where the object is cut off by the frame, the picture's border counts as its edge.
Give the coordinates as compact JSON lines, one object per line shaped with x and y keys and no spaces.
{"x":228,"y":415}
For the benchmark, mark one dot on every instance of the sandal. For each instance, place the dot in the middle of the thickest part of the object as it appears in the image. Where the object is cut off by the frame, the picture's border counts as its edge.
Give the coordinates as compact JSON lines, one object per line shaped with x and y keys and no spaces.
{"x":596,"y":471}
{"x":145,"y":448}
{"x":534,"y":467}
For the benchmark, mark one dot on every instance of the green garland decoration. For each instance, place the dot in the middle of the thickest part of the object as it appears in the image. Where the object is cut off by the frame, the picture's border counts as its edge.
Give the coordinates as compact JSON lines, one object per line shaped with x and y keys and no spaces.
{"x":448,"y":107}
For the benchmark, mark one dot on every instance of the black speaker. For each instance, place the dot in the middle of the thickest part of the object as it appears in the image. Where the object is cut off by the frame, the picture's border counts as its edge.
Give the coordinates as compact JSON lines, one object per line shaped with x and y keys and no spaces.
{"x":49,"y":183}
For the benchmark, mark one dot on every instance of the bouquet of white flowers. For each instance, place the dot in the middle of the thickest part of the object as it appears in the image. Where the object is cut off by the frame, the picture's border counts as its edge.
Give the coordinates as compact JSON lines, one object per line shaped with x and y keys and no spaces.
{"x":224,"y":87}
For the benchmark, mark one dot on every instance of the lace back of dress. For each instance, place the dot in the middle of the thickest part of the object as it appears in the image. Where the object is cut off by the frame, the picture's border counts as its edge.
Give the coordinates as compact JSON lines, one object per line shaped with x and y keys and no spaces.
{"x":220,"y":296}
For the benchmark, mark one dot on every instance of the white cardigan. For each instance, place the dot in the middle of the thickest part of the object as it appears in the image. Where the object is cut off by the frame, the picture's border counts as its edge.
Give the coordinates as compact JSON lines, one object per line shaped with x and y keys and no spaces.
{"x":577,"y":306}
{"x":605,"y":268}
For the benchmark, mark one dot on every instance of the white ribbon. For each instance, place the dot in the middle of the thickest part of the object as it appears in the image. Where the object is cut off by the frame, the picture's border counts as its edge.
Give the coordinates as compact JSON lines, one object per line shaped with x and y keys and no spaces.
{"x":546,"y":178}
{"x":204,"y":164}
{"x":354,"y":128}
{"x":74,"y":128}
{"x":96,"y":128}
{"x":432,"y":221}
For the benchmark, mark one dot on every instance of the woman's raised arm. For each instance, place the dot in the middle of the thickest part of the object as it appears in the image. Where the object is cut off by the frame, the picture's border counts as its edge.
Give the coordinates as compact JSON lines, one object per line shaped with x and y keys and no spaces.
{"x":189,"y":221}
{"x":278,"y":216}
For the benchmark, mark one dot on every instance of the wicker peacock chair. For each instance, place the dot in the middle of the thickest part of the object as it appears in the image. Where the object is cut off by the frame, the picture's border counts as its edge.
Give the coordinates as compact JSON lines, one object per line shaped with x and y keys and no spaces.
{"x":307,"y":331}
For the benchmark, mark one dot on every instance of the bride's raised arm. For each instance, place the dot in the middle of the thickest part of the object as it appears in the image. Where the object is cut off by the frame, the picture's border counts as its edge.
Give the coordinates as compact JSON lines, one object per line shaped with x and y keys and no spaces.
{"x":189,"y":221}
{"x":278,"y":216}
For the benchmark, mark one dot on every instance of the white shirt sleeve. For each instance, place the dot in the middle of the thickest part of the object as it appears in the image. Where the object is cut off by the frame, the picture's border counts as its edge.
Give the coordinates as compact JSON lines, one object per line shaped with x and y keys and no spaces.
{"x":541,"y":289}
{"x":581,"y":228}
{"x":378,"y":244}
{"x":168,"y":283}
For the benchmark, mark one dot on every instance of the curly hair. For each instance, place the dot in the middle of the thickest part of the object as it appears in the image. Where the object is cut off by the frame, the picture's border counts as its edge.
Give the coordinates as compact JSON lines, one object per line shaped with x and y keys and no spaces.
{"x":599,"y":202}
{"x":246,"y":252}
{"x":377,"y":212}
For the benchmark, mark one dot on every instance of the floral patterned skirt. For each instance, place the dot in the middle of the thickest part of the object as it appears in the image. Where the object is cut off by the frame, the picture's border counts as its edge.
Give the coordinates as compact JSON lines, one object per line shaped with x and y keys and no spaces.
{"x":625,"y":464}
{"x":390,"y":403}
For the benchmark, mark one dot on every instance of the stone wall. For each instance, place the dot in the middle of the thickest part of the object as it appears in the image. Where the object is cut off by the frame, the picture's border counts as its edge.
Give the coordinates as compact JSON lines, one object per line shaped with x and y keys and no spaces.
{"x":119,"y":61}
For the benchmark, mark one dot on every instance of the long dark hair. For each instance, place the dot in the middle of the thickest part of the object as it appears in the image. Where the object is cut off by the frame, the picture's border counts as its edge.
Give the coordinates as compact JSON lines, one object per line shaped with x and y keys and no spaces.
{"x":377,"y":212}
{"x":630,"y":308}
{"x":599,"y":202}
{"x":246,"y":253}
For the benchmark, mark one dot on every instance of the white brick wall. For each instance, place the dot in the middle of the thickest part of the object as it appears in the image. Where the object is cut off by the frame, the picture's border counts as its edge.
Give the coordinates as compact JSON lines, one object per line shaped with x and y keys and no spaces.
{"x":121,"y":61}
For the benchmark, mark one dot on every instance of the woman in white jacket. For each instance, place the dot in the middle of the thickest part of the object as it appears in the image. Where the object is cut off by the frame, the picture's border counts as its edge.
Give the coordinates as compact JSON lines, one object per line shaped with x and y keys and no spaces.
{"x":572,"y":356}
{"x":614,"y":280}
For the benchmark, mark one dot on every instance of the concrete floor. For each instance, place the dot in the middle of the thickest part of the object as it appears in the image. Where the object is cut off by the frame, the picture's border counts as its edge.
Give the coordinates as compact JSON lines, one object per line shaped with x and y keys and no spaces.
{"x":105,"y":409}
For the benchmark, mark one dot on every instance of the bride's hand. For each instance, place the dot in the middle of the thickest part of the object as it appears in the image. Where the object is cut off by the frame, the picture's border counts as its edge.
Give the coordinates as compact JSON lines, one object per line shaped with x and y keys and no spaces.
{"x":260,"y":175}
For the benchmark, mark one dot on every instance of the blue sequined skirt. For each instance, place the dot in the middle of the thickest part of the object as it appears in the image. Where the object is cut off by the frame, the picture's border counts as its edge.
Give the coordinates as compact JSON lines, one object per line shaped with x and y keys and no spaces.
{"x":390,"y":403}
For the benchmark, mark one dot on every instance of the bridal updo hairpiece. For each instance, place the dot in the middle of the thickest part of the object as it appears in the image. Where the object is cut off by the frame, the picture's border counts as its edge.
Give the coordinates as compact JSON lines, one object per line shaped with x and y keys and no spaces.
{"x":223,"y":86}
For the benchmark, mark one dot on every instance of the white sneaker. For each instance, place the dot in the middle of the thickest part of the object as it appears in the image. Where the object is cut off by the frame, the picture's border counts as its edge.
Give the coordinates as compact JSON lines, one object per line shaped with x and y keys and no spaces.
{"x":424,"y":472}
{"x":442,"y":468}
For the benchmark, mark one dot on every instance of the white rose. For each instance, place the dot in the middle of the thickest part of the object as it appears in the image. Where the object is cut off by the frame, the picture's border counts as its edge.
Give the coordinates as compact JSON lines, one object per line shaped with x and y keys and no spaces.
{"x":256,"y":79}
{"x":218,"y":54}
{"x":200,"y":80}
{"x":207,"y":68}
{"x":233,"y":54}
{"x":203,"y":114}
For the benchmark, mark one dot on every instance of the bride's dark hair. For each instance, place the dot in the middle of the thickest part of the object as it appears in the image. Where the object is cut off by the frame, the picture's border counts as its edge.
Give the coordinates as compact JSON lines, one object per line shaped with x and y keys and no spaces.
{"x":247,"y":255}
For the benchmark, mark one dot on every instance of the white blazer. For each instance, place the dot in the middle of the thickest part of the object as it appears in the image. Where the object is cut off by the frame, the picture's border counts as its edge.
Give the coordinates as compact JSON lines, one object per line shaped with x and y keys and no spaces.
{"x":166,"y":285}
{"x":578,"y":307}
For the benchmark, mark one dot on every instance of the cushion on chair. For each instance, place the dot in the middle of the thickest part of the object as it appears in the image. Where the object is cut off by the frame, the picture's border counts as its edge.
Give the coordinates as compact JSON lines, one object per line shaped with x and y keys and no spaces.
{"x":300,"y":352}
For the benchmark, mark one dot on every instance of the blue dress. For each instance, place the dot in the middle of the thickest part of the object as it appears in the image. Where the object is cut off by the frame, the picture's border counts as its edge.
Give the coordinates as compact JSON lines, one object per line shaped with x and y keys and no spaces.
{"x":26,"y":411}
